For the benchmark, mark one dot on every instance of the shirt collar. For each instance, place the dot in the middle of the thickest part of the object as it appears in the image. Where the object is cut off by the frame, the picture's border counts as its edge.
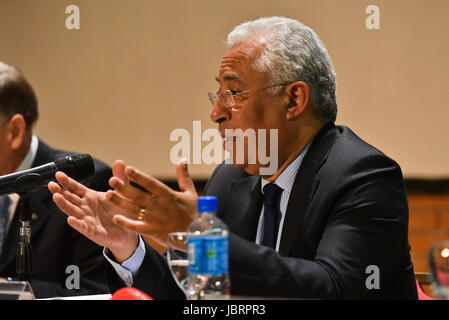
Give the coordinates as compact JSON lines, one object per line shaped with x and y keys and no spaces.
{"x":287,"y":177}
{"x":27,"y":162}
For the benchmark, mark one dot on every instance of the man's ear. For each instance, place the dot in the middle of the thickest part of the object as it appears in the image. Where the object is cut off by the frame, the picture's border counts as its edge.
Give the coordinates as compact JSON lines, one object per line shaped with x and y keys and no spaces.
{"x":299,"y":98}
{"x":17,"y":130}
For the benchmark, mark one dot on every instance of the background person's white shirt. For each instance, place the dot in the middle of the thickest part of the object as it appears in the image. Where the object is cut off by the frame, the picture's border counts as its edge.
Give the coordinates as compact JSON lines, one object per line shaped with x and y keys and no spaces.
{"x":26,"y":164}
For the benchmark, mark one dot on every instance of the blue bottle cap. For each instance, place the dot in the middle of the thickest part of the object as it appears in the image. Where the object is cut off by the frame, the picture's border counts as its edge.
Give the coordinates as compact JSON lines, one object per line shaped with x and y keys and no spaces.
{"x":207,"y":204}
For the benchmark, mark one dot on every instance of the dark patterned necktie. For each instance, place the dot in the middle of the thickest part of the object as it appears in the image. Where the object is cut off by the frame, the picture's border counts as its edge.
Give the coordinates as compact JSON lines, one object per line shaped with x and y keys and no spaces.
{"x":4,"y":216}
{"x":271,"y":214}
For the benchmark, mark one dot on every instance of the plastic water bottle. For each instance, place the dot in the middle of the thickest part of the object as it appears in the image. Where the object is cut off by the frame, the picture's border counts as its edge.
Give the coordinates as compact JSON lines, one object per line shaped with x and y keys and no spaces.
{"x":208,"y":253}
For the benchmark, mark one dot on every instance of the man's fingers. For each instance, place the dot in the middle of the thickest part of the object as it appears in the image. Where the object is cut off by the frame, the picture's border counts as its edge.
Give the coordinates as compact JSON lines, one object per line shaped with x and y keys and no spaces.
{"x":54,"y":187}
{"x":141,"y":198}
{"x":71,"y":185}
{"x":118,"y":169}
{"x":78,"y":225}
{"x":124,"y":203}
{"x":71,"y":197}
{"x":132,"y":208}
{"x":66,"y":206}
{"x":185,"y":182}
{"x":138,"y":226}
{"x":149,"y":183}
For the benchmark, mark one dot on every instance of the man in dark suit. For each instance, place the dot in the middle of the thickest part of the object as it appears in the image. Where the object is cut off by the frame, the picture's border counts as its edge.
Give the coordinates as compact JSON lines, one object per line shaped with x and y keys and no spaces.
{"x":59,"y":253}
{"x":331,"y":221}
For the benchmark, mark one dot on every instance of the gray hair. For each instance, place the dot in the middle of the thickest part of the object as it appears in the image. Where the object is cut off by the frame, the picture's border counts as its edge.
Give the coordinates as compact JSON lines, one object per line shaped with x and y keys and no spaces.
{"x":291,"y":52}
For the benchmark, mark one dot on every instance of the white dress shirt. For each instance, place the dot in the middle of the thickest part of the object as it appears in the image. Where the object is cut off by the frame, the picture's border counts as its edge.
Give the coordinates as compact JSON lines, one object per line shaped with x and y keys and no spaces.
{"x":129,"y":268}
{"x":26,"y":164}
{"x":285,"y":182}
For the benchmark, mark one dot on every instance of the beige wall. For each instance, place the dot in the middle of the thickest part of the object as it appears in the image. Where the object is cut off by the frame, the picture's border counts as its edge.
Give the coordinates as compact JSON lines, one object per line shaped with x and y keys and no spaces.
{"x":136,"y":70}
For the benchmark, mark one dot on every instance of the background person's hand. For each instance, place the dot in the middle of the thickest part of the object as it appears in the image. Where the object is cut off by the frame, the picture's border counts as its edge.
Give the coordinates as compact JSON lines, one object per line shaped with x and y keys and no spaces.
{"x":90,"y":213}
{"x":166,"y":210}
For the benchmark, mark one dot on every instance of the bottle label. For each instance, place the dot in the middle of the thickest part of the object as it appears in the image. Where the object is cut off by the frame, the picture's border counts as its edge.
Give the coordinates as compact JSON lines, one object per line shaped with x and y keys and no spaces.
{"x":194,"y":253}
{"x":208,"y":254}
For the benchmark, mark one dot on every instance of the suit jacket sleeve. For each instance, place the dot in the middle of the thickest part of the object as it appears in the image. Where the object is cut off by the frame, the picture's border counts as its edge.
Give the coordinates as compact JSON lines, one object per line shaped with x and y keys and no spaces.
{"x":154,"y":277}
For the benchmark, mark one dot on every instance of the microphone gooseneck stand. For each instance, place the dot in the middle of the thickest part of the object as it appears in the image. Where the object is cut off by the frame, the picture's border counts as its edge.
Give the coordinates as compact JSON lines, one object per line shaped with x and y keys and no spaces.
{"x":24,"y":261}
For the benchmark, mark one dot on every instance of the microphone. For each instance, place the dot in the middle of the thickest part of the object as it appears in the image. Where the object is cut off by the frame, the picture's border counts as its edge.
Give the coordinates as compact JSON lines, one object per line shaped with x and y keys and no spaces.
{"x":129,"y":293}
{"x":76,"y":166}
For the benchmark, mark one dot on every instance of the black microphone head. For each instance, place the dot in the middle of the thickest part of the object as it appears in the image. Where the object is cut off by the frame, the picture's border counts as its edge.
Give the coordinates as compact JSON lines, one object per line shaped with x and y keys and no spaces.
{"x":76,"y":166}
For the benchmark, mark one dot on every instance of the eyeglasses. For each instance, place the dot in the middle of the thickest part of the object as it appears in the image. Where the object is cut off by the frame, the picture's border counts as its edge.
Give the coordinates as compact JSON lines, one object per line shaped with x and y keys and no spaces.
{"x":227,"y":96}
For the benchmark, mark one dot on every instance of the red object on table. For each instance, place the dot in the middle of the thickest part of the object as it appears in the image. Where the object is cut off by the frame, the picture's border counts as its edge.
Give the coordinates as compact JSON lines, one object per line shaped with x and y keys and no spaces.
{"x":130,"y":293}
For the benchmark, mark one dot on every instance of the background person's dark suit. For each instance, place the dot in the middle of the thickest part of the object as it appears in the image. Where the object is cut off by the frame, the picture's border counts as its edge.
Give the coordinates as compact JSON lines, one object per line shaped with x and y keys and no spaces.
{"x":55,"y":245}
{"x":347,"y":210}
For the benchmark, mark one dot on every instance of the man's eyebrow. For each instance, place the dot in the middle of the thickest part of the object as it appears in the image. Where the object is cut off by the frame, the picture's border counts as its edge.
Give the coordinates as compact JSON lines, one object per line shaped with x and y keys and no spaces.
{"x":229,"y":78}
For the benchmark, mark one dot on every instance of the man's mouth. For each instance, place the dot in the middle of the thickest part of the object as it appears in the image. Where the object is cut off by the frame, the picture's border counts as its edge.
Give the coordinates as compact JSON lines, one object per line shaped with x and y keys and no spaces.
{"x":228,"y":142}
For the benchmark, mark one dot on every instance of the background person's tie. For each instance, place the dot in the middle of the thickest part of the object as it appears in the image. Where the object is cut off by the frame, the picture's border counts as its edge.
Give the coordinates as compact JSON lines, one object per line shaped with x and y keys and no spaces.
{"x":4,"y":216}
{"x":271,"y":214}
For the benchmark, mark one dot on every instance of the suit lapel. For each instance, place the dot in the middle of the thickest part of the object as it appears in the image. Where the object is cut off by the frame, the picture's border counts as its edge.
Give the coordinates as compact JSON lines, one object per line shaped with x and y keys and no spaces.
{"x":245,"y":205}
{"x":304,"y":187}
{"x":41,"y":199}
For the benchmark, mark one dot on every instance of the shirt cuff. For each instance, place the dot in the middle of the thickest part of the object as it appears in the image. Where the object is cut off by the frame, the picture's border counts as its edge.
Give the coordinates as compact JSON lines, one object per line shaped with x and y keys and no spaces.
{"x":129,"y":268}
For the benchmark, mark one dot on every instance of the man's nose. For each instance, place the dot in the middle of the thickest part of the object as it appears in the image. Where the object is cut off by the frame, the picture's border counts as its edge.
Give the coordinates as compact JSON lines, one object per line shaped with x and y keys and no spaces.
{"x":219,"y":112}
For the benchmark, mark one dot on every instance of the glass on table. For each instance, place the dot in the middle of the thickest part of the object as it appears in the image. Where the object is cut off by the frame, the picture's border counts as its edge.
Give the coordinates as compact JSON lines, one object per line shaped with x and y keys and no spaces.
{"x":439,"y":269}
{"x":178,"y":262}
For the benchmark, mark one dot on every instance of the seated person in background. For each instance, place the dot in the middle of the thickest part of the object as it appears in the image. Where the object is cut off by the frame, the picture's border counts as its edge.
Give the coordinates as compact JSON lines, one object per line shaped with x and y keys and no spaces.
{"x":55,"y":246}
{"x":339,"y":203}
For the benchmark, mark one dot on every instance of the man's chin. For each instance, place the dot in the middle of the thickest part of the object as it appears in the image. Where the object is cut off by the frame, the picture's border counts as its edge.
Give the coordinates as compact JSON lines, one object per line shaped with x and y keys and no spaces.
{"x":251,"y":169}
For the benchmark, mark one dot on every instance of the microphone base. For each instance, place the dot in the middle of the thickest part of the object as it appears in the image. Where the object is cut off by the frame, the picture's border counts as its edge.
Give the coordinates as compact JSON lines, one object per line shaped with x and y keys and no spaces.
{"x":16,"y":290}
